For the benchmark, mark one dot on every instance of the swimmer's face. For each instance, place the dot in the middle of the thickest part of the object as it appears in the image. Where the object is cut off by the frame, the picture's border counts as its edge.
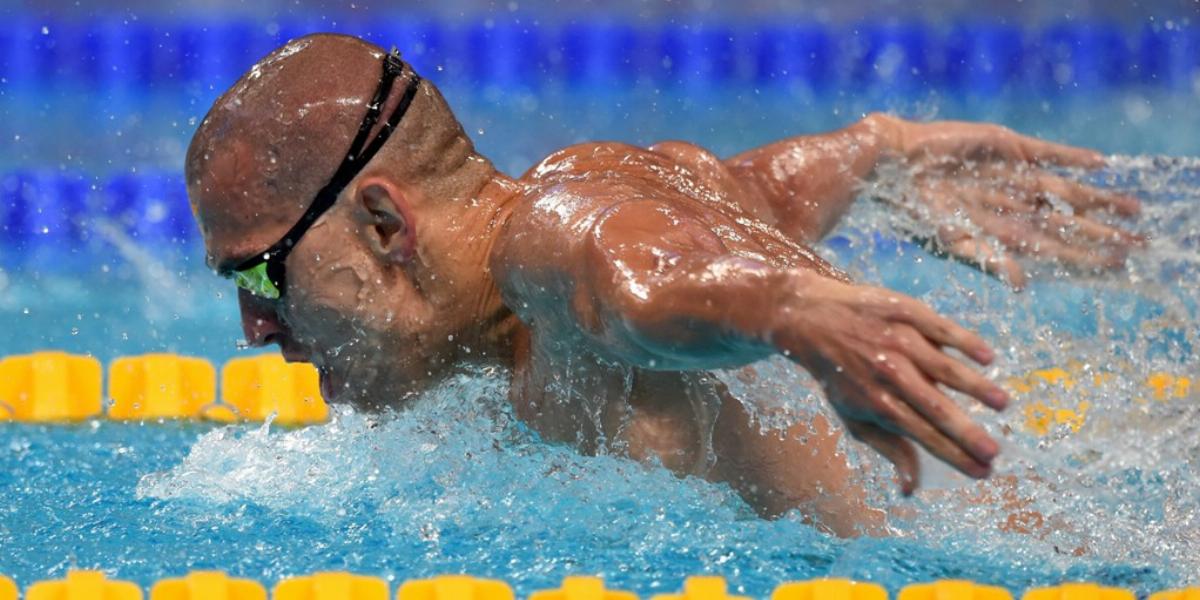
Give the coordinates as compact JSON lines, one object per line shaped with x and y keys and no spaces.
{"x":361,"y":302}
{"x":372,"y":295}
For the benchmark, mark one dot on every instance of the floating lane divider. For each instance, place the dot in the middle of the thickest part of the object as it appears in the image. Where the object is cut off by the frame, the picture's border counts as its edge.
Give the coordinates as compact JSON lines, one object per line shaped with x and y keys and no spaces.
{"x":83,"y":585}
{"x":55,"y":387}
{"x":258,"y":386}
{"x":1192,"y":593}
{"x":214,"y":585}
{"x":1058,"y":396}
{"x":1078,"y":591}
{"x":209,"y":52}
{"x":49,"y":387}
{"x":454,"y":587}
{"x":320,"y":586}
{"x":702,"y":588}
{"x":160,"y":386}
{"x":202,"y":585}
{"x":945,"y":590}
{"x":582,"y":588}
{"x":845,"y":589}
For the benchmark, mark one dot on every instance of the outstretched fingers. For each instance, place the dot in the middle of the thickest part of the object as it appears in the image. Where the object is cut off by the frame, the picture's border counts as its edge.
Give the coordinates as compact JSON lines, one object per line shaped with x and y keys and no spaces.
{"x":947,"y":417}
{"x":1086,"y":198}
{"x":1043,"y":244}
{"x":1052,"y":236}
{"x":988,"y":259}
{"x":900,"y":415}
{"x":939,"y":329}
{"x":938,"y":367}
{"x":1041,"y":151}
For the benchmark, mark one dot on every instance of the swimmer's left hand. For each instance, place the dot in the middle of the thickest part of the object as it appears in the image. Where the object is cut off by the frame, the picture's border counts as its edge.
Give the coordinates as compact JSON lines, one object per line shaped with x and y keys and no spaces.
{"x":980,"y":182}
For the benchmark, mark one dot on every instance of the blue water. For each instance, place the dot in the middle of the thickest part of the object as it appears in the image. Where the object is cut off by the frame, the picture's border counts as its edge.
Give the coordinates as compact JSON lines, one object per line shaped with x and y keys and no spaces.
{"x":455,"y":484}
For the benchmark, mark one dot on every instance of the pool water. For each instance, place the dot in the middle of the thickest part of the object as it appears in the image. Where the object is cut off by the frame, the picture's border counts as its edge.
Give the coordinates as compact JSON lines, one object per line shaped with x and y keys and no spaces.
{"x":456,"y":484}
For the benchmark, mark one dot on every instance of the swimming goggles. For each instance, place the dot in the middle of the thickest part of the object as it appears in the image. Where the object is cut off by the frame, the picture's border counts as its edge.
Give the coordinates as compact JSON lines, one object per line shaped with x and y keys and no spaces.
{"x":264,"y":275}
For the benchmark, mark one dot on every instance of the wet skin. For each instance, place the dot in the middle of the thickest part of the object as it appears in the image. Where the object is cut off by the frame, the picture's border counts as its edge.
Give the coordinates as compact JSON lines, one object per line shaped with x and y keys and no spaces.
{"x":612,"y":279}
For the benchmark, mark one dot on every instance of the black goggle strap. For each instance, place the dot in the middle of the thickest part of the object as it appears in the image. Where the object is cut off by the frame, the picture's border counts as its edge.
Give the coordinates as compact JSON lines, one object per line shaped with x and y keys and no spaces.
{"x":356,"y":159}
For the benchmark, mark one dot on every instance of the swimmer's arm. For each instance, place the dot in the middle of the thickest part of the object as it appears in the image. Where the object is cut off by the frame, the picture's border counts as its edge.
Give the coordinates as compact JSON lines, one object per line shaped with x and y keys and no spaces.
{"x":648,"y":283}
{"x":810,"y":181}
{"x":796,"y":467}
{"x":643,"y":282}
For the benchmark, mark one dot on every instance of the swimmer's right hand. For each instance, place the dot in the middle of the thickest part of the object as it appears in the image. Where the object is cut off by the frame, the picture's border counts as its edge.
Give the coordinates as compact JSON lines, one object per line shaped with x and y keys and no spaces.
{"x":882,"y":358}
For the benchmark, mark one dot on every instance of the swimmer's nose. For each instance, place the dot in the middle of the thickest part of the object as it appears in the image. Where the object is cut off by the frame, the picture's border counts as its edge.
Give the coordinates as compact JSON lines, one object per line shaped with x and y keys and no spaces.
{"x":260,"y":322}
{"x":262,"y":327}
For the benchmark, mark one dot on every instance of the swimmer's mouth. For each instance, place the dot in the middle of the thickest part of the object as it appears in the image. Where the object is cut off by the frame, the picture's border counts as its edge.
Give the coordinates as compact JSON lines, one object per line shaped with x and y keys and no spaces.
{"x":330,"y":386}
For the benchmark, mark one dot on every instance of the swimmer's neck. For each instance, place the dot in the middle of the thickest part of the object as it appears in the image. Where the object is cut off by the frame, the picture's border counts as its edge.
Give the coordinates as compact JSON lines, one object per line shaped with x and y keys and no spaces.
{"x":491,"y":199}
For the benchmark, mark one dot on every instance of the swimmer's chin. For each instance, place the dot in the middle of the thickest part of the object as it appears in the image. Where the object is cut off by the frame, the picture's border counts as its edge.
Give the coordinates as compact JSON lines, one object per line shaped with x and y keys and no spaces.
{"x":337,"y":389}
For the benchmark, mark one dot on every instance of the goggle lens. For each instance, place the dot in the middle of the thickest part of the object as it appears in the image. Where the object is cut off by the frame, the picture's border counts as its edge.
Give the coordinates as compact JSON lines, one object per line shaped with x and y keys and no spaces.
{"x":256,"y":281}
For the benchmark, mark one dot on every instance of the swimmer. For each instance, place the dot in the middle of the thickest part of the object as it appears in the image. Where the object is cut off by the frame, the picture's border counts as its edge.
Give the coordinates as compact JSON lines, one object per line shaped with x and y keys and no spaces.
{"x":366,"y":235}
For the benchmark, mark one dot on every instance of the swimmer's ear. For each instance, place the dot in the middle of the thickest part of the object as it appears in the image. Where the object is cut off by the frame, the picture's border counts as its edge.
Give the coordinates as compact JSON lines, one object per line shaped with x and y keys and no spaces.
{"x":387,"y":220}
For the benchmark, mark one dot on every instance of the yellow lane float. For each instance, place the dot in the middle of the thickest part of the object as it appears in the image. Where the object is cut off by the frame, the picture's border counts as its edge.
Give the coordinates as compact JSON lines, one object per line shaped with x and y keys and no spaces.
{"x":8,"y":589}
{"x":1192,"y":593}
{"x":49,"y":387}
{"x":953,"y":589}
{"x":831,"y":589}
{"x":454,"y":587}
{"x":160,"y":386}
{"x":582,"y":588}
{"x":259,"y":386}
{"x":702,"y":588}
{"x":215,"y":585}
{"x":57,"y":387}
{"x":331,"y":586}
{"x":207,"y":585}
{"x":1078,"y":591}
{"x":84,"y":585}
{"x":1057,"y":397}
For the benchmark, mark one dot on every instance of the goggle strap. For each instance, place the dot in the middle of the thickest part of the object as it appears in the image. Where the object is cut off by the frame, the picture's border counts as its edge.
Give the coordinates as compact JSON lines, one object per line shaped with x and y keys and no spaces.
{"x":410,"y":93}
{"x":351,"y":164}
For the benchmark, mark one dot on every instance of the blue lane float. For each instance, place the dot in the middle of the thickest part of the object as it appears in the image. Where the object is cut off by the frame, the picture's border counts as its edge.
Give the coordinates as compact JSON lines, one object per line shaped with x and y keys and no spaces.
{"x":598,"y":55}
{"x":801,"y":53}
{"x":507,"y":54}
{"x":40,"y":214}
{"x":1084,"y":56}
{"x":151,"y":208}
{"x":49,"y":217}
{"x":519,"y":52}
{"x":983,"y":57}
{"x":1169,"y":57}
{"x":695,"y":54}
{"x":893,"y":55}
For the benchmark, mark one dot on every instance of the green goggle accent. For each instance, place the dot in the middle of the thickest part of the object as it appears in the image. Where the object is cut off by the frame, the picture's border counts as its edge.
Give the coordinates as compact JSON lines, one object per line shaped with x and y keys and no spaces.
{"x":256,"y":281}
{"x":265,"y":275}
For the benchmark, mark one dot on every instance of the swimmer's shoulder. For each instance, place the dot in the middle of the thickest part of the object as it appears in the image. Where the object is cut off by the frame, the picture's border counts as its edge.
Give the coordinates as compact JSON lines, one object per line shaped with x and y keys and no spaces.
{"x":677,"y":165}
{"x":587,"y":161}
{"x":573,"y":187}
{"x":612,"y":160}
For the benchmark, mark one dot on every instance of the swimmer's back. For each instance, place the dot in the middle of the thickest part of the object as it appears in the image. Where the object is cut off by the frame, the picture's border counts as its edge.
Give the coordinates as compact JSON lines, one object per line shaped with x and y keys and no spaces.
{"x":598,"y":175}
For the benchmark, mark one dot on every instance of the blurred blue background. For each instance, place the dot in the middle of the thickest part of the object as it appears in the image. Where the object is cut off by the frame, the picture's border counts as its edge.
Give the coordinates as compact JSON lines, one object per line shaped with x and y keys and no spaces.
{"x":99,"y":254}
{"x":98,"y":101}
